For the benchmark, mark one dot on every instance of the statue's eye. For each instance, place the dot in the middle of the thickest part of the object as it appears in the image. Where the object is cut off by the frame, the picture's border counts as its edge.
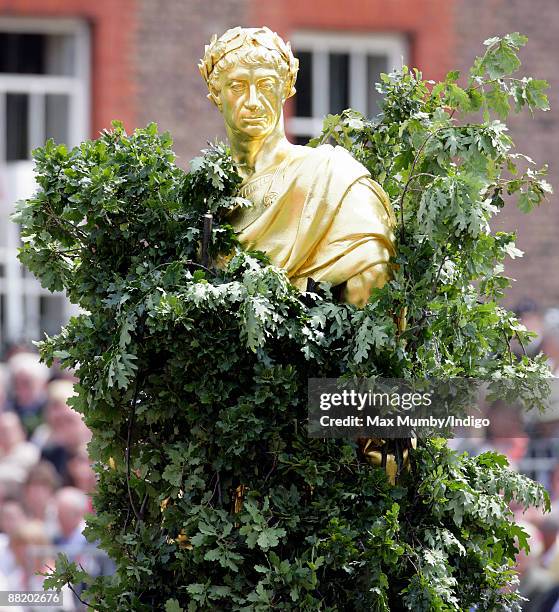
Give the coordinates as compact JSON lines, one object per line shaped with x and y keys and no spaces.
{"x":267,"y":85}
{"x":237,"y":87}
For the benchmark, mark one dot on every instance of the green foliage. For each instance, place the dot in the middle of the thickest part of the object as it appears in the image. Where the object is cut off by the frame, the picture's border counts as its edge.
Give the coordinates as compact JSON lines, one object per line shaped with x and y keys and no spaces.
{"x":194,"y":379}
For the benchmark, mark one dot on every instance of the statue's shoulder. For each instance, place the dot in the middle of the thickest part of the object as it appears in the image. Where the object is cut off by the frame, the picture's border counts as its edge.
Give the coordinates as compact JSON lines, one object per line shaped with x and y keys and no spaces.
{"x":343,"y":170}
{"x":332,"y":159}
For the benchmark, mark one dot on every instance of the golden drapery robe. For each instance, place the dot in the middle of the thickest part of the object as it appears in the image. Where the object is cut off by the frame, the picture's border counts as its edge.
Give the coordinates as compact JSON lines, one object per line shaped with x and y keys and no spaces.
{"x":318,"y":214}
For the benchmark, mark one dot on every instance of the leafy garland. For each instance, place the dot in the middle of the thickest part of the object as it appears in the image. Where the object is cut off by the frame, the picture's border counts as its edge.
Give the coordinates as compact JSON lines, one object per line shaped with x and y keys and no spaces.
{"x":193,"y":378}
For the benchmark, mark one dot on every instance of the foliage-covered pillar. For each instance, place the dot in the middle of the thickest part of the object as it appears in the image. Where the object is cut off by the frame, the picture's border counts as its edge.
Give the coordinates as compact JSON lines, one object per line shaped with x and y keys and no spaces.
{"x":193,"y":379}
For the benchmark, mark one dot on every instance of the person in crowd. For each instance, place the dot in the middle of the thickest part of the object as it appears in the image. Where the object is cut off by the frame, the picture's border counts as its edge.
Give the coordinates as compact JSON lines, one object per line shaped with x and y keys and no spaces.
{"x":550,"y":338}
{"x":17,"y":456}
{"x":4,"y":389}
{"x":25,"y":543}
{"x":34,"y":555}
{"x":64,"y":432}
{"x":549,"y":601}
{"x":35,"y":512}
{"x":28,"y":381}
{"x":71,"y":508}
{"x":38,"y":495}
{"x":554,"y":486}
{"x":58,"y":394}
{"x":549,"y":529}
{"x":505,"y":433}
{"x":4,"y":586}
{"x":80,"y":471}
{"x":534,"y":579}
{"x":12,"y":516}
{"x":542,"y":453}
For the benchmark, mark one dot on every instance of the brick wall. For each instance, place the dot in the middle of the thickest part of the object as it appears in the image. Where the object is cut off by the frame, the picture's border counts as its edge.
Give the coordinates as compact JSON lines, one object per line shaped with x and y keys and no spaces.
{"x":112,"y":26}
{"x":171,"y":40}
{"x":428,"y":24}
{"x":172,"y":35}
{"x":536,"y":273}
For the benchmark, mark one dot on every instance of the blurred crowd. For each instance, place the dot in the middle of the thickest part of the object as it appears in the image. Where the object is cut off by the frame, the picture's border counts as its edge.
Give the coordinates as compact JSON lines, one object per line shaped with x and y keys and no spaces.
{"x":531,"y":443}
{"x":46,"y":477}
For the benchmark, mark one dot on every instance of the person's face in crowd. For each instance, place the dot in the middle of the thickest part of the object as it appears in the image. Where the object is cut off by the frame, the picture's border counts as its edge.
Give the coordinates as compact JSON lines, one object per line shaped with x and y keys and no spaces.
{"x":36,"y":497}
{"x":18,"y":548}
{"x":526,"y":560}
{"x":533,"y":322}
{"x":54,"y":412}
{"x":82,"y":474}
{"x":69,"y":515}
{"x":27,"y":388}
{"x":27,"y":545}
{"x":67,"y":425}
{"x":505,"y":422}
{"x":11,"y":432}
{"x":548,"y":530}
{"x":12,"y":516}
{"x":523,"y":562}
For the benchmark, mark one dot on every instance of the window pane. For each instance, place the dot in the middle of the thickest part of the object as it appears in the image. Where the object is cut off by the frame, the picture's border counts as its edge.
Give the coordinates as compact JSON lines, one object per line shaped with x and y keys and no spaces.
{"x":56,"y":117}
{"x":51,"y":311}
{"x":303,"y":97}
{"x":339,"y":82}
{"x":36,"y":53}
{"x":17,"y":127}
{"x":22,"y":53}
{"x":59,"y":55}
{"x":375,"y":65}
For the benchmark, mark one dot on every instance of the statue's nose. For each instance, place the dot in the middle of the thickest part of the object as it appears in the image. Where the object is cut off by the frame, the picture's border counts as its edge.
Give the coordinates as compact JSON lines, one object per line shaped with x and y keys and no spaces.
{"x":253,"y":102}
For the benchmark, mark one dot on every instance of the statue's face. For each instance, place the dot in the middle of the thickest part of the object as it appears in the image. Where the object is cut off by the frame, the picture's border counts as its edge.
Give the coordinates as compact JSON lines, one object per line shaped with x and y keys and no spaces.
{"x":251,"y":100}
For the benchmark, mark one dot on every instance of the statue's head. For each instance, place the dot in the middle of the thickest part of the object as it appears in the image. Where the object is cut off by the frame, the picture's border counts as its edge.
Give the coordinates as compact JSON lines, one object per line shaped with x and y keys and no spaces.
{"x":250,"y":73}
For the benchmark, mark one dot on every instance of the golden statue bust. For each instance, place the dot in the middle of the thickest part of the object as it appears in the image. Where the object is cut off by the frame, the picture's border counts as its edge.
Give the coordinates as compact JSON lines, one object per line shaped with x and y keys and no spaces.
{"x":316,"y":212}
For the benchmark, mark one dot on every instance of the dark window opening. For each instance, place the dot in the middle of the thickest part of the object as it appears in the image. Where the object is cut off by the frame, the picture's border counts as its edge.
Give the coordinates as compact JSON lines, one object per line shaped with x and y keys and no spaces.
{"x":376,"y":64}
{"x":303,"y":97}
{"x":27,"y":53}
{"x":339,"y":82}
{"x":51,"y":310}
{"x":22,"y":53}
{"x":17,"y":127}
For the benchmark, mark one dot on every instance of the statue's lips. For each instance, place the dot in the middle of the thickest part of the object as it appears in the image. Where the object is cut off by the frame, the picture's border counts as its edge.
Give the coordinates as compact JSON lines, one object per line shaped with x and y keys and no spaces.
{"x":254,"y":119}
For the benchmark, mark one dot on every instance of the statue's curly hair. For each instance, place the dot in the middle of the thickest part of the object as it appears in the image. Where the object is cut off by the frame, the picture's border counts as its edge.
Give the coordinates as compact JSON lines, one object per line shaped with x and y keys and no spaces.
{"x":248,"y":46}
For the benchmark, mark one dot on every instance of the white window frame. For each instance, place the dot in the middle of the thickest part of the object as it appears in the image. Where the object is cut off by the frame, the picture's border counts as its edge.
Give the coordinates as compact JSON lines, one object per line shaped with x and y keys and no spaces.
{"x":22,"y":292}
{"x":358,"y":47}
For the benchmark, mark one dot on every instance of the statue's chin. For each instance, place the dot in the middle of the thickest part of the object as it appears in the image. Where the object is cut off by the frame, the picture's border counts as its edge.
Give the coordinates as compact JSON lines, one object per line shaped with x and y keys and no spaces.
{"x":256,"y":128}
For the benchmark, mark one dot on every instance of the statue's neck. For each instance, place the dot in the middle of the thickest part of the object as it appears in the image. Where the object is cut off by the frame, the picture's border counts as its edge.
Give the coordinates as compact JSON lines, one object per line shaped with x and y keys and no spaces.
{"x":253,"y":155}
